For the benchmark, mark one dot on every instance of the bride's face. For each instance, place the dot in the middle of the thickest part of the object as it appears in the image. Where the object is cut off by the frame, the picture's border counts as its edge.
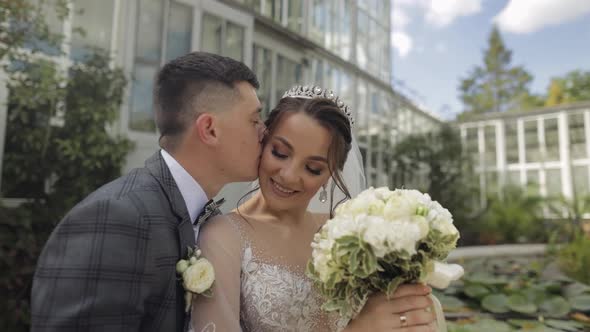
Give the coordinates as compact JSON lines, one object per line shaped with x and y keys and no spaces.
{"x":294,"y":162}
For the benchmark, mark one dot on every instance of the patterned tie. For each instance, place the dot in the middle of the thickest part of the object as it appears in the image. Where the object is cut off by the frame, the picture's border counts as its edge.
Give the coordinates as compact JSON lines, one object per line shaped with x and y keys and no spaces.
{"x":210,"y":209}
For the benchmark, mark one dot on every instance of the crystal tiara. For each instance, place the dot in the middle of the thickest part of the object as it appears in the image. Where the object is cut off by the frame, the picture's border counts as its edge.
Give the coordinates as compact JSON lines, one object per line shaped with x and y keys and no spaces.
{"x":308,"y":92}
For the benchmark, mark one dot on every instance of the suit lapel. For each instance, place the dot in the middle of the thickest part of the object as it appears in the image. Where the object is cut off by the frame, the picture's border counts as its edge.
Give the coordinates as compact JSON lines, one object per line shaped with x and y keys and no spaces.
{"x":158,"y":168}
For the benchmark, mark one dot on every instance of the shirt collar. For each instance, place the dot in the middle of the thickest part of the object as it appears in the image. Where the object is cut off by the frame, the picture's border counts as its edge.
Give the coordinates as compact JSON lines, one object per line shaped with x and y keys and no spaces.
{"x":194,"y":196}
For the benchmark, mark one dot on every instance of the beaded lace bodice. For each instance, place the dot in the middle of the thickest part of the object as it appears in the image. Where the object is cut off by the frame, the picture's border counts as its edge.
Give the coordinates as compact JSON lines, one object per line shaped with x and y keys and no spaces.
{"x":273,"y":296}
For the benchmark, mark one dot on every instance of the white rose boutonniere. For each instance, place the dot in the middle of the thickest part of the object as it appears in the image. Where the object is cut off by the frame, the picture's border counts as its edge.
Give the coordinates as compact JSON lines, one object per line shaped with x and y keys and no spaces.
{"x":197,"y":275}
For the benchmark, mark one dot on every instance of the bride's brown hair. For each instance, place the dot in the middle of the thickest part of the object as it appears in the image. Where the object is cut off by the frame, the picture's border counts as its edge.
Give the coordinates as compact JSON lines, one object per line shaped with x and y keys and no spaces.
{"x":329,"y":116}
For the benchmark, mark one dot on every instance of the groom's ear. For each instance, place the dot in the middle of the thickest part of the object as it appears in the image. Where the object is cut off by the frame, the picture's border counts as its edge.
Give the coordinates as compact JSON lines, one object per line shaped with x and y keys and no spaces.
{"x":206,"y":127}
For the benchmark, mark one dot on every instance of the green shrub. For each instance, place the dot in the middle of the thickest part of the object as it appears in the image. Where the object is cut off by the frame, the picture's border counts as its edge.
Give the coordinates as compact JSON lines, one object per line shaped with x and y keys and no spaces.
{"x":574,"y":258}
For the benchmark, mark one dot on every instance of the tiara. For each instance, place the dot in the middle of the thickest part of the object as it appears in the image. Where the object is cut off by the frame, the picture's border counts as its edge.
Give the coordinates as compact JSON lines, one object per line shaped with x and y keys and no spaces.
{"x":307,"y":92}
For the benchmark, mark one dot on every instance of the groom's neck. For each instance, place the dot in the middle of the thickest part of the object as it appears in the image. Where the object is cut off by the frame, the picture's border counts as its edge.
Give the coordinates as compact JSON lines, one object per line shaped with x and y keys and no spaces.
{"x":202,"y":167}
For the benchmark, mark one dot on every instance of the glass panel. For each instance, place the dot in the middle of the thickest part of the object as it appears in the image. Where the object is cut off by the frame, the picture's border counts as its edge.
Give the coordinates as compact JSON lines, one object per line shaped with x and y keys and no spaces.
{"x":234,"y":42}
{"x":361,"y":119}
{"x":532,"y":180}
{"x":580,"y":179}
{"x":510,"y":130}
{"x":288,"y":74}
{"x":577,"y":136}
{"x":492,"y":182}
{"x":141,"y":116}
{"x":362,"y":55}
{"x":95,"y":18}
{"x":531,"y":142}
{"x":490,"y":147}
{"x":54,"y":24}
{"x":262,"y":67}
{"x":180,"y":27}
{"x":319,"y":16}
{"x":551,"y":140}
{"x":513,"y":178}
{"x":471,"y":145}
{"x":211,"y":34}
{"x":149,"y":31}
{"x":553,"y":182}
{"x":295,"y":15}
{"x":272,"y":9}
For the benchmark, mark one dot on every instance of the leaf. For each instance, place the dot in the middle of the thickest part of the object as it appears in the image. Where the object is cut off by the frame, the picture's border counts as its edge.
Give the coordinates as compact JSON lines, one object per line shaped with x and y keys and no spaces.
{"x":555,"y":306}
{"x":575,"y":289}
{"x":451,"y":303}
{"x":496,"y":303}
{"x":566,"y":325}
{"x":519,"y":303}
{"x":581,"y":302}
{"x":490,"y":325}
{"x":476,"y":291}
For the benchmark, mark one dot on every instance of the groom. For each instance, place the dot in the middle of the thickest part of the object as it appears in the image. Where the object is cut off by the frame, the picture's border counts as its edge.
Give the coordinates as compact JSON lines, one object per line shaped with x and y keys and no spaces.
{"x":109,"y":265}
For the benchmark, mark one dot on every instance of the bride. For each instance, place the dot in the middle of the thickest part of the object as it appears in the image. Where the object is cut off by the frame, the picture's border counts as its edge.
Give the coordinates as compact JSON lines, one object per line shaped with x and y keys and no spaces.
{"x":260,"y":250}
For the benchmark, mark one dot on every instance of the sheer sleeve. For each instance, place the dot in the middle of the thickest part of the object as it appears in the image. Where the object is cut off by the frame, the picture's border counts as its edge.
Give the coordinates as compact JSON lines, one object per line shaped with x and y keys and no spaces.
{"x":220,"y":243}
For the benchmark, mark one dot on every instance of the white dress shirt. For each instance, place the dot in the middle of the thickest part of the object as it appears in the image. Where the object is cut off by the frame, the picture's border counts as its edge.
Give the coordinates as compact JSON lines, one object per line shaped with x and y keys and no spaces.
{"x":194,"y":196}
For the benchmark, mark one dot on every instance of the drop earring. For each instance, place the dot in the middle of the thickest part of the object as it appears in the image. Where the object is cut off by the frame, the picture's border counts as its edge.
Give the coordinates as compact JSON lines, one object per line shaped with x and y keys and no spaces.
{"x":323,"y":195}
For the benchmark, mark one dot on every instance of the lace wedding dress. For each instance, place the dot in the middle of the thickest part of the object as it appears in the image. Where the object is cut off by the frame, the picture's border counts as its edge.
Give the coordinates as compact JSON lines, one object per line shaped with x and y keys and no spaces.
{"x":256,"y":287}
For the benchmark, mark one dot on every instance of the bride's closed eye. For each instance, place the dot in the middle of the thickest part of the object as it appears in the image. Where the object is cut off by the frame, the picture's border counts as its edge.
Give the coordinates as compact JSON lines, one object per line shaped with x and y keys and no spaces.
{"x":312,"y":170}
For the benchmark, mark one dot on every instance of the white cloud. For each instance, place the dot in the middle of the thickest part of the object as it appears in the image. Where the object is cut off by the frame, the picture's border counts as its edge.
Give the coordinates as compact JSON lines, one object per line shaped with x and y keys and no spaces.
{"x":402,"y":42}
{"x":441,"y":47}
{"x":400,"y":39}
{"x":443,"y":12}
{"x":399,"y":18}
{"x":526,"y":16}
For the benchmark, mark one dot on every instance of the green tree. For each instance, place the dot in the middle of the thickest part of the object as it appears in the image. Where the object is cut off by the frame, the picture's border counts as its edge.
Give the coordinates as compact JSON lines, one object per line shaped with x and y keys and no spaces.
{"x":572,"y":87}
{"x":497,"y":86}
{"x":59,"y":146}
{"x":439,"y":157}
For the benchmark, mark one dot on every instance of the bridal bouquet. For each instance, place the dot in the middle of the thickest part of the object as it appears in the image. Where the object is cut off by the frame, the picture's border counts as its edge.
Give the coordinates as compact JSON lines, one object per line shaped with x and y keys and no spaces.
{"x":379,"y":240}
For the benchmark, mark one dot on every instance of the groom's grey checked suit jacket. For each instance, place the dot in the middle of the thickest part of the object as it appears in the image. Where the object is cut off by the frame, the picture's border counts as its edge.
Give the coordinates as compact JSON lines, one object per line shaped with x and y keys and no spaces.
{"x":110,"y":263}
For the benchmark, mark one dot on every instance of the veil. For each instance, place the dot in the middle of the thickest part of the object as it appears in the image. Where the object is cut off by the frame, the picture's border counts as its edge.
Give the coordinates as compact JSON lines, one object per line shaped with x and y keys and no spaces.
{"x":353,"y":176}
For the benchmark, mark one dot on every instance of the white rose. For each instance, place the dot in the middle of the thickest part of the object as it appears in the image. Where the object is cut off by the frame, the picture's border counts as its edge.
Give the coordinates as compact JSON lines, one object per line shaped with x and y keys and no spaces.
{"x":443,"y":274}
{"x":383,"y":193}
{"x":445,"y":227}
{"x":199,"y":277}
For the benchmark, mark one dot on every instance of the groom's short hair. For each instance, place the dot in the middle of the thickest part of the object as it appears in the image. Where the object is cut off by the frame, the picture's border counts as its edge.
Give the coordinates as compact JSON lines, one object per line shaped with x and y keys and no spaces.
{"x":194,"y":83}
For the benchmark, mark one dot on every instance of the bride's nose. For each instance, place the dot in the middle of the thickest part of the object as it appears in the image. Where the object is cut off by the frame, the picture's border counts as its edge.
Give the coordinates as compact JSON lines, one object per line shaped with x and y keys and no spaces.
{"x":289,"y":174}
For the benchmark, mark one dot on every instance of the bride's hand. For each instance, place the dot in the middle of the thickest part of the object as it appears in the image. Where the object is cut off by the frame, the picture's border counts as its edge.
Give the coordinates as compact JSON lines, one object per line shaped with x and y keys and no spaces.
{"x":407,"y":310}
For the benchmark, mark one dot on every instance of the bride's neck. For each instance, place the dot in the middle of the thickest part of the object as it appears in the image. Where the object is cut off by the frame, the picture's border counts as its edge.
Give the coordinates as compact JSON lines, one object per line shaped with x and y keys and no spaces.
{"x":259,"y":207}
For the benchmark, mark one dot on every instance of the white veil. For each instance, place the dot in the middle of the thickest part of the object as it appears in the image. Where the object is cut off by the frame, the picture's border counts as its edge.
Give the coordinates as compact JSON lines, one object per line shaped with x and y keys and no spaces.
{"x":353,"y":176}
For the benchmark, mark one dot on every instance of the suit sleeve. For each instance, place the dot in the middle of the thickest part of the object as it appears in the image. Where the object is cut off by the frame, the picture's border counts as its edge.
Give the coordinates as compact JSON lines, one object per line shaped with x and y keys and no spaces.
{"x":94,"y":273}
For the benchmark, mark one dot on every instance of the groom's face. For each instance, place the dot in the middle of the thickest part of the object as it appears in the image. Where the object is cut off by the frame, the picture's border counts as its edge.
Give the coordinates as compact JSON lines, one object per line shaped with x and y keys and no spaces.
{"x":242,"y":131}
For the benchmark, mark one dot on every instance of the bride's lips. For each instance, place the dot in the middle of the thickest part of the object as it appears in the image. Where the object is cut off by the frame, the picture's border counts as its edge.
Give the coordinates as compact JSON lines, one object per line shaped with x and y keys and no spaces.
{"x":281,"y":191}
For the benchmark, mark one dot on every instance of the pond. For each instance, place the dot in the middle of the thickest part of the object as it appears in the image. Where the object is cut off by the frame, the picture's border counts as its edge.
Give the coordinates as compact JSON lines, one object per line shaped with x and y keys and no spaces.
{"x":515,"y":293}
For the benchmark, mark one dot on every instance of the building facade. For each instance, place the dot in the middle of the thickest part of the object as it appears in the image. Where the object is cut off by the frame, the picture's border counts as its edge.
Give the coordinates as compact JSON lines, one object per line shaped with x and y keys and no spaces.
{"x":339,"y":44}
{"x":547,"y":150}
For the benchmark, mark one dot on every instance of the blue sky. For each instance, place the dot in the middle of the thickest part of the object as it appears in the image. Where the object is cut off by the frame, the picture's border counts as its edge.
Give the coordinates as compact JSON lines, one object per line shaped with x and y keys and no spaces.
{"x":437,"y":42}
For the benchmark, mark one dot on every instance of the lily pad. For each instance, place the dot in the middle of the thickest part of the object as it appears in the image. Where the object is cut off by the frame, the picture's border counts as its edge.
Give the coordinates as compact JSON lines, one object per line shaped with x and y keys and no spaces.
{"x":496,"y":303}
{"x":581,"y":302}
{"x":575,"y":289}
{"x":519,"y":303}
{"x":490,"y":325}
{"x":566,"y":325}
{"x":555,"y":306}
{"x":525,"y":324}
{"x":487,"y":279}
{"x":476,"y":291}
{"x":451,"y":303}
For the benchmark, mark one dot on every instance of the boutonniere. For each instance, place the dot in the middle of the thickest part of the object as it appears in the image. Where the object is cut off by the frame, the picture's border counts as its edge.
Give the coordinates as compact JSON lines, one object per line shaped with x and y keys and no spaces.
{"x":197,"y":275}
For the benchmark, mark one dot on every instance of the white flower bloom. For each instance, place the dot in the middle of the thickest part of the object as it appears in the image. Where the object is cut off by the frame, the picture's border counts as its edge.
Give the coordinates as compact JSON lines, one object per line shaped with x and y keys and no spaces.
{"x":443,"y":274}
{"x":199,"y":277}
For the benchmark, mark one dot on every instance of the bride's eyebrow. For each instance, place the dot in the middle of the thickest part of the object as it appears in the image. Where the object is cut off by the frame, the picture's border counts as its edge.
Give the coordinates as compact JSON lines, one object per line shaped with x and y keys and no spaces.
{"x":290,"y":147}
